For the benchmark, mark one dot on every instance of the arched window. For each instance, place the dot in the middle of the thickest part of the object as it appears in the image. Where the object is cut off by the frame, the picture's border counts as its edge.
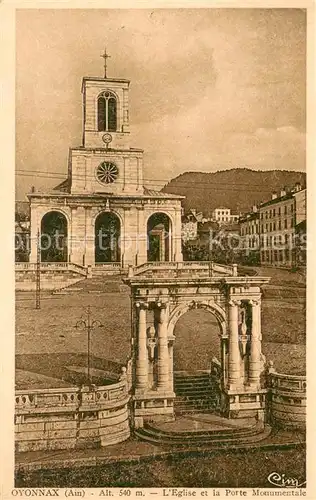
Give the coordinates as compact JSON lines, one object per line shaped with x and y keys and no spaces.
{"x":107,"y":112}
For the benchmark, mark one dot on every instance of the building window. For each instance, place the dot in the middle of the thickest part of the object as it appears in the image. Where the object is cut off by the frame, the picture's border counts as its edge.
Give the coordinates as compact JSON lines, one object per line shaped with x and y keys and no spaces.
{"x":274,"y":212}
{"x":270,"y":214}
{"x":280,"y":226}
{"x":285,"y":210}
{"x":274,"y":226}
{"x":270,"y":226}
{"x":107,"y":112}
{"x":279,"y":210}
{"x":285,"y":223}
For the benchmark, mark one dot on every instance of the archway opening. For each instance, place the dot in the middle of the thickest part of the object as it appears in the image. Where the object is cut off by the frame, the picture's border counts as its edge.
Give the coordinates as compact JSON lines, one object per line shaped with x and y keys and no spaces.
{"x":107,"y":238}
{"x":159,"y":238}
{"x":197,"y":341}
{"x":53,"y":242}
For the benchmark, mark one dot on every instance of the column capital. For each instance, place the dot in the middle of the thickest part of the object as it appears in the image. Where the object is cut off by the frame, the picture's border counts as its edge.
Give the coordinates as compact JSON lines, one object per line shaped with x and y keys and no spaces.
{"x":234,"y":302}
{"x":162,"y":304}
{"x":255,"y":302}
{"x":142,"y":305}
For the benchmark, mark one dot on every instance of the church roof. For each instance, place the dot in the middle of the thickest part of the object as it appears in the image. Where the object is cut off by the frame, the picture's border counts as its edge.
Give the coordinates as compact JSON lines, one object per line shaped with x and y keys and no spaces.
{"x":63,"y":187}
{"x":160,"y":194}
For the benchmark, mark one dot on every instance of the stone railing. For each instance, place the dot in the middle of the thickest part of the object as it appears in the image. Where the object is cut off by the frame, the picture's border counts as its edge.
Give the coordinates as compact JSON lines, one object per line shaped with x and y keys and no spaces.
{"x":38,"y":399}
{"x":108,"y":265}
{"x":196,"y":267}
{"x":67,"y":418}
{"x":51,"y":266}
{"x":287,"y":400}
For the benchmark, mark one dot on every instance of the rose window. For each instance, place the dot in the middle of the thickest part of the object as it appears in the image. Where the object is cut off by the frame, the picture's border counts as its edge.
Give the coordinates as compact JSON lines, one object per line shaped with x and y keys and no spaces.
{"x":107,"y":172}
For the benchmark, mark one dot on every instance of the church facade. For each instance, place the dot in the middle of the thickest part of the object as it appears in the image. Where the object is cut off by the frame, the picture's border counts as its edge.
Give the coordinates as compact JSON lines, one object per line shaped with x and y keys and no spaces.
{"x":102,"y":214}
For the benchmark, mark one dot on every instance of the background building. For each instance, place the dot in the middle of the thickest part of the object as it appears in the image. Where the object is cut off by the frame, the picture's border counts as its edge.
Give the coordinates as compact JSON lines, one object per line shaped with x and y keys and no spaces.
{"x":250,"y":236}
{"x":277,"y":229}
{"x":223,"y":215}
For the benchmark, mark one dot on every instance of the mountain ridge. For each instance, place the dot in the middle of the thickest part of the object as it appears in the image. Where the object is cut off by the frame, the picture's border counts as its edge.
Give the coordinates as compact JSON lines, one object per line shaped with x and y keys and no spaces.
{"x":238,"y":188}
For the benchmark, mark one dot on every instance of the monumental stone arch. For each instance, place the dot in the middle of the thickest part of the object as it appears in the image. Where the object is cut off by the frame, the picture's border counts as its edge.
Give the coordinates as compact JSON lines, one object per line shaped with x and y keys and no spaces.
{"x":161,"y":293}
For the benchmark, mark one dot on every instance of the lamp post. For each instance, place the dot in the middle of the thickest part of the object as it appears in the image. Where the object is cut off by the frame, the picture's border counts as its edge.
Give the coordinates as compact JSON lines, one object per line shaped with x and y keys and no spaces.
{"x":88,"y":325}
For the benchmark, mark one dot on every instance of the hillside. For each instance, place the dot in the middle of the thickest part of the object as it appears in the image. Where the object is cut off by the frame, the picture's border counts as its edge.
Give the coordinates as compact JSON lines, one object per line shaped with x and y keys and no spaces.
{"x":238,"y":188}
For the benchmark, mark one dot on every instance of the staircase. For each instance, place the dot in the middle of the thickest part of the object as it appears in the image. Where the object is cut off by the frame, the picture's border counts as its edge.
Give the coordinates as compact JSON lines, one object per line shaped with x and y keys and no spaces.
{"x":250,"y":433}
{"x":196,"y":392}
{"x":98,"y":285}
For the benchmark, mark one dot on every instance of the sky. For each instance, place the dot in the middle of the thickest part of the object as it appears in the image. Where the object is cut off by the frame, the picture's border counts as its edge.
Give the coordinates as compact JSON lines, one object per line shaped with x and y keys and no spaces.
{"x":211,"y":89}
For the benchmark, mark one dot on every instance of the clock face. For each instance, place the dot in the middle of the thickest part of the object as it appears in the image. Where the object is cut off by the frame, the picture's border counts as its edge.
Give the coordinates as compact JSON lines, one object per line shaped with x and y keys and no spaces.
{"x":107,"y":138}
{"x":107,"y":172}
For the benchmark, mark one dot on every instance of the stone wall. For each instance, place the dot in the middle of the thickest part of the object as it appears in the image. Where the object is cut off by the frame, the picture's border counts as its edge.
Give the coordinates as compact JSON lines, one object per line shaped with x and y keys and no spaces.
{"x":287,"y":400}
{"x":54,"y":276}
{"x":55,"y":419}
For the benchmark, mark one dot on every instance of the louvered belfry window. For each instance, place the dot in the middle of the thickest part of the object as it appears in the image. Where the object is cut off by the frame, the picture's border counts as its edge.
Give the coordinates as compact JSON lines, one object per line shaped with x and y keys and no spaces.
{"x":107,"y":112}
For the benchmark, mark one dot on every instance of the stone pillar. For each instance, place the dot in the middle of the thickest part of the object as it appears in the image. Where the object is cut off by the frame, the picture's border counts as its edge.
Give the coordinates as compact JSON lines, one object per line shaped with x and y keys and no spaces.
{"x":89,"y":231}
{"x":223,"y":360}
{"x":177,"y":237}
{"x":35,"y":226}
{"x":170,"y":348}
{"x":255,"y":344}
{"x":234,"y":354}
{"x":141,"y":235}
{"x":142,"y":355}
{"x":163,"y":354}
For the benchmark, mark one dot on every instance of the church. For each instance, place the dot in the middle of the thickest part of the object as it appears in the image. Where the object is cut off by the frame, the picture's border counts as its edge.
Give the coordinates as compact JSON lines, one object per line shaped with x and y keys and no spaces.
{"x":102,"y":214}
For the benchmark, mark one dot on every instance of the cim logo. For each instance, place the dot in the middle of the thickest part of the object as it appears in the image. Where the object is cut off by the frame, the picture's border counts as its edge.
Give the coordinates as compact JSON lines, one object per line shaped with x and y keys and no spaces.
{"x":282,"y":481}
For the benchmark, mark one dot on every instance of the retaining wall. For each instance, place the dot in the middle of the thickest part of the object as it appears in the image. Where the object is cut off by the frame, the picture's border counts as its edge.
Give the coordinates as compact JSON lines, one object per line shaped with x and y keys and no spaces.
{"x":287,"y":401}
{"x":55,"y":419}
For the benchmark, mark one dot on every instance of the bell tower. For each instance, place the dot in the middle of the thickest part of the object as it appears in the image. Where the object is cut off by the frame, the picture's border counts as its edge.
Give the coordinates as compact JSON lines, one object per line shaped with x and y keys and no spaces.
{"x":105,"y":111}
{"x":105,"y":163}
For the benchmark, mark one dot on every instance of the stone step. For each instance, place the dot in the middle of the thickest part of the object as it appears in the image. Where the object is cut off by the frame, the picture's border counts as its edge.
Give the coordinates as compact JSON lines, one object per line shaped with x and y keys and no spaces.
{"x":198,"y":386}
{"x":195,"y":394}
{"x":193,"y":398}
{"x":202,"y":376}
{"x":248,"y":429}
{"x":218,"y":438}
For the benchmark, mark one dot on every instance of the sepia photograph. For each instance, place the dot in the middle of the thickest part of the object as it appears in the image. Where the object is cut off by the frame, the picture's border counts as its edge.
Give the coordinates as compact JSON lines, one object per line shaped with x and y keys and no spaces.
{"x":160,"y":251}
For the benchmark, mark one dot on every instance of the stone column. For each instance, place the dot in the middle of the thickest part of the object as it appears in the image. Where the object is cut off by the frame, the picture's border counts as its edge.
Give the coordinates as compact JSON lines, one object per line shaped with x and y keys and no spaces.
{"x":223,"y":360}
{"x":163,"y":354}
{"x":170,"y":349}
{"x":142,"y":355}
{"x":176,"y":246}
{"x":89,"y":232}
{"x":234,"y":354}
{"x":255,"y":344}
{"x":35,"y":226}
{"x":141,"y":235}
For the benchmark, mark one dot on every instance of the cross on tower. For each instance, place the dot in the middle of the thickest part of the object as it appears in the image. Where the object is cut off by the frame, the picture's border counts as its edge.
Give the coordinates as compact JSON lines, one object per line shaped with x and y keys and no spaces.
{"x":105,"y":57}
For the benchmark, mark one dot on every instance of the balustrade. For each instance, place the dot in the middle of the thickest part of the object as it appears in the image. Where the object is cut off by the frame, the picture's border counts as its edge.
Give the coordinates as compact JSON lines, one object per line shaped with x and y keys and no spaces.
{"x":41,"y":399}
